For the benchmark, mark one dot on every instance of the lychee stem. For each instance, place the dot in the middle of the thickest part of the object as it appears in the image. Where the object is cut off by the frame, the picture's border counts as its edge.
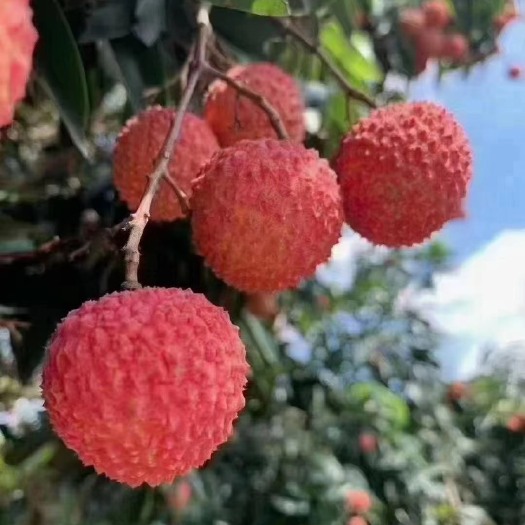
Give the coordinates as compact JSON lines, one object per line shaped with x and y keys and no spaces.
{"x":273,"y":115}
{"x":289,"y":29}
{"x":139,"y":219}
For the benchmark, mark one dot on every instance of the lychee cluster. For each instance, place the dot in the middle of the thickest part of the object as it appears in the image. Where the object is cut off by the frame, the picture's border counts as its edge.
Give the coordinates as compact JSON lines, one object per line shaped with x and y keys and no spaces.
{"x":145,"y":385}
{"x":404,"y":172}
{"x":17,"y":42}
{"x":426,"y":29}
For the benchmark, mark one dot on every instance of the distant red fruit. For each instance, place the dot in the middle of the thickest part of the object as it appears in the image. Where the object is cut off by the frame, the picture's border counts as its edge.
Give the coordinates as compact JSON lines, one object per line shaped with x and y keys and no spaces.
{"x":412,"y":22}
{"x":179,"y":498}
{"x":358,"y":501}
{"x":457,"y":391}
{"x":357,"y":520}
{"x":430,"y":43}
{"x":516,"y":423}
{"x":437,"y":14}
{"x":515,"y":72}
{"x":455,"y":47}
{"x":263,"y":305}
{"x":367,"y":443}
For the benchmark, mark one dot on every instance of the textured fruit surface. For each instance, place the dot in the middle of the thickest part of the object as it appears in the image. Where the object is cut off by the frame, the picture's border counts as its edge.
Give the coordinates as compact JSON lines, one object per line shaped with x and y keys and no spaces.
{"x":145,"y":385}
{"x":17,"y":42}
{"x":404,"y":172}
{"x":437,"y":14}
{"x":138,"y":148}
{"x":265,"y":214}
{"x":234,"y":117}
{"x":358,"y":501}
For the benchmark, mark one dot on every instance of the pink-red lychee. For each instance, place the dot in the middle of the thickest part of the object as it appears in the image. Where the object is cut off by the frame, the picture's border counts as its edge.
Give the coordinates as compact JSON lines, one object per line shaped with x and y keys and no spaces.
{"x":457,"y":391}
{"x":145,"y":385}
{"x":264,"y":306}
{"x":358,"y":501}
{"x":516,"y":423}
{"x":455,"y":47}
{"x":404,"y":172}
{"x":412,"y":22}
{"x":515,"y":72}
{"x":179,"y":497}
{"x":430,"y":43}
{"x":139,"y":146}
{"x":367,"y":443}
{"x":17,"y":42}
{"x":437,"y":14}
{"x":266,"y":213}
{"x":234,"y":117}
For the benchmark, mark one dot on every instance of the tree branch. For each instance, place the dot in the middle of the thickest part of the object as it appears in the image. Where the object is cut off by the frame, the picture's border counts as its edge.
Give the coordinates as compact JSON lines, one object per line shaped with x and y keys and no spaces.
{"x":289,"y":29}
{"x":139,"y":219}
{"x":258,"y":99}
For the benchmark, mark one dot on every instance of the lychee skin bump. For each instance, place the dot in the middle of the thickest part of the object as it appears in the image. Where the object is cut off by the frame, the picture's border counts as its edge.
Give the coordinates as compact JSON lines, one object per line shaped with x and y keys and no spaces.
{"x":404,"y":172}
{"x":139,"y":146}
{"x":233,"y":117}
{"x":265,"y":214}
{"x":145,"y":385}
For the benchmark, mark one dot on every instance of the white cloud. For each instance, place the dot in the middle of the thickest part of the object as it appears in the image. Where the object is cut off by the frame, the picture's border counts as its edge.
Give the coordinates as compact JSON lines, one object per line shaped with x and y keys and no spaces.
{"x":481,"y":302}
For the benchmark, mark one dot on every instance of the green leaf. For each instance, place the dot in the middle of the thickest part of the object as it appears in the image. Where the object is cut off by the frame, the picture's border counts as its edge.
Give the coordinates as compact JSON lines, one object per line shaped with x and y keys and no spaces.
{"x":257,"y":7}
{"x":350,"y":55}
{"x":61,"y":70}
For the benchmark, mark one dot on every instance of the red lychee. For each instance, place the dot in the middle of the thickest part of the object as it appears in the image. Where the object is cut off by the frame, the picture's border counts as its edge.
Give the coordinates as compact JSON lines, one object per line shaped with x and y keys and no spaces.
{"x":138,"y":148}
{"x":515,"y":72}
{"x":412,"y":22}
{"x":404,"y":172}
{"x":437,"y":14}
{"x":455,"y":47}
{"x":265,"y":306}
{"x":180,"y":496}
{"x":516,"y":423}
{"x":17,"y":42}
{"x":145,"y":385}
{"x":457,"y":391}
{"x":430,"y":43}
{"x":265,"y":214}
{"x":367,"y":443}
{"x":358,"y":501}
{"x":357,"y":520}
{"x":234,"y":117}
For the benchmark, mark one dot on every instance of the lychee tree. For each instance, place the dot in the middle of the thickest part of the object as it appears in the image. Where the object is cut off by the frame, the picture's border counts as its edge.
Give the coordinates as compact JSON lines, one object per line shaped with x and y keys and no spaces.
{"x":167,"y":145}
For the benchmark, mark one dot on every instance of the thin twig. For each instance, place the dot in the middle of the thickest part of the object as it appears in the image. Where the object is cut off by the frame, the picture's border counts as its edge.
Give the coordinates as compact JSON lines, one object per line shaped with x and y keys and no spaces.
{"x":180,"y":194}
{"x":272,"y":113}
{"x":140,"y":218}
{"x":288,"y":28}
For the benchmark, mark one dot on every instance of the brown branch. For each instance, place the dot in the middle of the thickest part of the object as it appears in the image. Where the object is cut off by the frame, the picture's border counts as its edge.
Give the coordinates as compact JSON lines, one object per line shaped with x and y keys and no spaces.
{"x":139,"y":219}
{"x":289,"y":29}
{"x":272,"y":113}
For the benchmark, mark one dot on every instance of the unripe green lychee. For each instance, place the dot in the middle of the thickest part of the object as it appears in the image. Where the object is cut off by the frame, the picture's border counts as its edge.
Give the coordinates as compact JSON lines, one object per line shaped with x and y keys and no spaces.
{"x":138,"y":148}
{"x":233,"y":117}
{"x":265,"y":214}
{"x":404,"y":172}
{"x":145,"y":385}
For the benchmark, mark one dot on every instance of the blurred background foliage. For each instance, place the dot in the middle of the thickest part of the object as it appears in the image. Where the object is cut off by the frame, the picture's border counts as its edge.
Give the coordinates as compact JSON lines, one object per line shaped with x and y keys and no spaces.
{"x":346,"y":399}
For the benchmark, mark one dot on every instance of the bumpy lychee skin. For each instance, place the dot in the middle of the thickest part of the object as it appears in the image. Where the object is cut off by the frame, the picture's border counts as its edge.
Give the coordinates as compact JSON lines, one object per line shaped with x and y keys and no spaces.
{"x":404,"y":172}
{"x":17,"y":42}
{"x":234,"y":117}
{"x":145,"y":385}
{"x":265,"y":214}
{"x":137,"y":151}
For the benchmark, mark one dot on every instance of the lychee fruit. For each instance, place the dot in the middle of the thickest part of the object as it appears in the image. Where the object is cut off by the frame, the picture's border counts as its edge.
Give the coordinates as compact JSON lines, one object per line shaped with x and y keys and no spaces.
{"x":455,"y":47}
{"x":358,"y":501}
{"x":264,"y":306}
{"x":515,"y":72}
{"x":139,"y":146}
{"x":437,"y":14}
{"x":404,"y":172}
{"x":430,"y":43}
{"x":367,"y":443}
{"x":266,"y":213}
{"x":457,"y":391}
{"x":234,"y":117}
{"x":145,"y":385}
{"x":357,"y":520}
{"x":18,"y":37}
{"x":412,"y":22}
{"x":516,"y":423}
{"x":179,"y":497}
